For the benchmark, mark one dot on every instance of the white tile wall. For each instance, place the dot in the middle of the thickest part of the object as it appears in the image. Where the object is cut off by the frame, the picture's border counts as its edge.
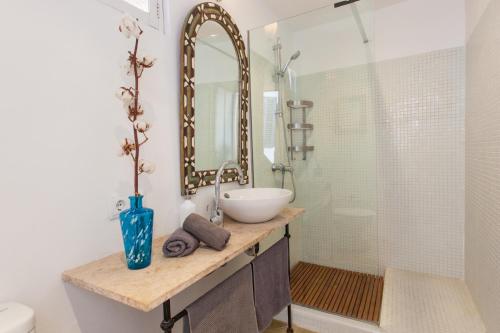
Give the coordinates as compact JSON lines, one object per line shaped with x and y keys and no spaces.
{"x":420,"y":162}
{"x":384,"y":186}
{"x":482,"y":227}
{"x":337,"y":182}
{"x":389,"y":139}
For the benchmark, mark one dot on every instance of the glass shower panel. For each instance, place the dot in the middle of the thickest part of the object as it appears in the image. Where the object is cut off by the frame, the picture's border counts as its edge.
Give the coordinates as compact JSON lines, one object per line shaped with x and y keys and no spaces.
{"x":336,"y":182}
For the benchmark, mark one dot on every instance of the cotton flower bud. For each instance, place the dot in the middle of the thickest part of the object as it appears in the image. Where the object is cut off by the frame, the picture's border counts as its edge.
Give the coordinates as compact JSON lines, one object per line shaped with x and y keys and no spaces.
{"x":147,"y":61}
{"x":136,"y":112}
{"x":129,"y":27}
{"x":146,"y":166}
{"x":128,"y":99}
{"x":142,"y":126}
{"x":124,"y":95}
{"x":127,"y":146}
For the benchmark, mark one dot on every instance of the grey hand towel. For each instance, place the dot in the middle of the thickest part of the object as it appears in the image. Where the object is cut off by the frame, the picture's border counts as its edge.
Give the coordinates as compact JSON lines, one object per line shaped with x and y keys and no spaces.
{"x":227,"y":308}
{"x":180,"y":244}
{"x":207,"y":232}
{"x":271,"y":283}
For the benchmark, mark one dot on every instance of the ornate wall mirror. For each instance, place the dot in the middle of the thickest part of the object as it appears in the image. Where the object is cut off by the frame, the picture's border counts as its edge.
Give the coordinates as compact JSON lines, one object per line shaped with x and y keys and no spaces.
{"x":214,"y":98}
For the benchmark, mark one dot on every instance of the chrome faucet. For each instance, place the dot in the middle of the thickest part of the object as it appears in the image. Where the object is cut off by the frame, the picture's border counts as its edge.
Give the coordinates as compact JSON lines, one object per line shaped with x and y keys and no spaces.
{"x":283,"y":169}
{"x":217,"y":215}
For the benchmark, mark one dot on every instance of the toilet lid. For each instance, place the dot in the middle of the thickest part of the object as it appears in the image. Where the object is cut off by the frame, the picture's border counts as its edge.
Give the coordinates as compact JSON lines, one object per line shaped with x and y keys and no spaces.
{"x":16,"y":318}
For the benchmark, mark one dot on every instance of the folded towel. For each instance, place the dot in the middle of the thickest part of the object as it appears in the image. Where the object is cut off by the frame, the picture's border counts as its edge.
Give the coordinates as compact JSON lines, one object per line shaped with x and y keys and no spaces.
{"x":271,"y":283}
{"x":227,"y":308}
{"x":207,"y":232}
{"x":180,"y":244}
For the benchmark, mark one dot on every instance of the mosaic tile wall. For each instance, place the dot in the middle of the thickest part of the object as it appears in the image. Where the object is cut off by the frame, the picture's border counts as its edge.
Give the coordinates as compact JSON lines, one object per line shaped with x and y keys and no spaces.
{"x":420,"y":106}
{"x":482,"y":227}
{"x":337,"y":182}
{"x":385,"y":184}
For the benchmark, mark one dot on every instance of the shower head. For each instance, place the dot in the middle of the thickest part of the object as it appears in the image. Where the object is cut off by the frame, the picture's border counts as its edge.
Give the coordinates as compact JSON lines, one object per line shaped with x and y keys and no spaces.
{"x":292,"y":58}
{"x":295,"y":55}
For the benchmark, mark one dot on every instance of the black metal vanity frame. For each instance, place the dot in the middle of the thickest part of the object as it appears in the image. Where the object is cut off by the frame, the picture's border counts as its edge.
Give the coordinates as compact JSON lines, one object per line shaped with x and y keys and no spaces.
{"x":168,"y":322}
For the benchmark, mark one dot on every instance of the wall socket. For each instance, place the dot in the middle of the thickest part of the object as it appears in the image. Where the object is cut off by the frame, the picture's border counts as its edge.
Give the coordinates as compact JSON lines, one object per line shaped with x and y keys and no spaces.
{"x":116,"y":206}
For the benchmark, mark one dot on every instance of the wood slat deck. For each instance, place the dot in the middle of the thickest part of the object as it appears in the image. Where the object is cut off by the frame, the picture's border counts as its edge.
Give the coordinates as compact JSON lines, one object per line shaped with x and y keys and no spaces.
{"x":350,"y":294}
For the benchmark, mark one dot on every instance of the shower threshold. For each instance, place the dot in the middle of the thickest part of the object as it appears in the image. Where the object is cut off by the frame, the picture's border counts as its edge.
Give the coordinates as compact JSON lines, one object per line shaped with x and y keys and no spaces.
{"x":341,"y":292}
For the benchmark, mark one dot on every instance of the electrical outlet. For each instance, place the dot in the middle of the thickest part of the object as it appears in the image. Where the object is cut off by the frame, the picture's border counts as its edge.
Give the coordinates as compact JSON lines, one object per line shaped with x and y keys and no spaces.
{"x":116,"y":206}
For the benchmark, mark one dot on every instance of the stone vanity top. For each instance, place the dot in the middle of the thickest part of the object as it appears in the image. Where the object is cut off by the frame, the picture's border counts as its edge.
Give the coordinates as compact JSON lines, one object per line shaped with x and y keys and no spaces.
{"x":148,"y":288}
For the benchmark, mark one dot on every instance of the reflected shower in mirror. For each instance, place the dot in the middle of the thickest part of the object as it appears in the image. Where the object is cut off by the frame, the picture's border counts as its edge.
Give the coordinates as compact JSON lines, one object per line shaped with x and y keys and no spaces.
{"x":217,"y":97}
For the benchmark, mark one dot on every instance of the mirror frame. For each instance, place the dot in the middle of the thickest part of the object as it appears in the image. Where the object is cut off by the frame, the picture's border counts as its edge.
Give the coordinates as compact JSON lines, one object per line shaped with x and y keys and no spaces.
{"x":192,"y":179}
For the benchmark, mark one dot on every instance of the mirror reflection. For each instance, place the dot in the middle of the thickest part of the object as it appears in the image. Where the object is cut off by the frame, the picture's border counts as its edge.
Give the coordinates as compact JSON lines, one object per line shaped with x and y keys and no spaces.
{"x":217,"y":97}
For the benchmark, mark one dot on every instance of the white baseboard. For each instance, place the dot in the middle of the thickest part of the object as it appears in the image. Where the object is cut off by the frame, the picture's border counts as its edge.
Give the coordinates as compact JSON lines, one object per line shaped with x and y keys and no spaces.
{"x":322,"y":322}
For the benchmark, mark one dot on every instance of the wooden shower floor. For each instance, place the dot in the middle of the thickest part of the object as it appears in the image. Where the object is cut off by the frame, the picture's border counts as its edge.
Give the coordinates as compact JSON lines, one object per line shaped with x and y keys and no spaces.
{"x":346,"y":293}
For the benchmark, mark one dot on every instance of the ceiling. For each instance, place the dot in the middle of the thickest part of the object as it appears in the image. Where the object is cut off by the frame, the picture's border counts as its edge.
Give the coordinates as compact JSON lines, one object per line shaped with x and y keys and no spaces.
{"x":288,"y":8}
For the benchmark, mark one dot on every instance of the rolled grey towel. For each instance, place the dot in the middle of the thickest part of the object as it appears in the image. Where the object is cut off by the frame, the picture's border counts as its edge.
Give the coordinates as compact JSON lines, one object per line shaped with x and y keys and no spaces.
{"x":180,"y":244}
{"x":207,"y":232}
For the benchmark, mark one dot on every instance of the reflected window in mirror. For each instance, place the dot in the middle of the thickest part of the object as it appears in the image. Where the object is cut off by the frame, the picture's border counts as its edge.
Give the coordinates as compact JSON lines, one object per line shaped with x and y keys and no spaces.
{"x":269,"y":125}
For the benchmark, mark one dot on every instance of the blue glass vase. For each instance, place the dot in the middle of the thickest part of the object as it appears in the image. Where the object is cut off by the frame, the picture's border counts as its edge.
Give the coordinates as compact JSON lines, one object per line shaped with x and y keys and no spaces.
{"x":137,"y":232}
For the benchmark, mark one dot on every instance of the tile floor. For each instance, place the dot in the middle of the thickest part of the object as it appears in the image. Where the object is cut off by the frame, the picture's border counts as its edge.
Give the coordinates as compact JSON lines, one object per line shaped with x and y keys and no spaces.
{"x":417,"y":303}
{"x":280,"y":327}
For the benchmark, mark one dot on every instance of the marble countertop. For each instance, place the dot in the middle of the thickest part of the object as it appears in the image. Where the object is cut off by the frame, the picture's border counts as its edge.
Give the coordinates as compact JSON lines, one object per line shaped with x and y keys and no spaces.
{"x":148,"y":288}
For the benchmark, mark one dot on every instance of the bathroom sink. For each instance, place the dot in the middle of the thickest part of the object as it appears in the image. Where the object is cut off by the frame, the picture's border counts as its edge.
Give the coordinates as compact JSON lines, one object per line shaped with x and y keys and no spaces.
{"x":254,"y":205}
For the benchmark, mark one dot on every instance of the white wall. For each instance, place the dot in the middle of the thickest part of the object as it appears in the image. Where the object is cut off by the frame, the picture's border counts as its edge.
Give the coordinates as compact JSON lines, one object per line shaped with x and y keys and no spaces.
{"x":395,"y":28}
{"x":412,"y":27}
{"x":62,"y":127}
{"x":405,"y":28}
{"x":474,"y":10}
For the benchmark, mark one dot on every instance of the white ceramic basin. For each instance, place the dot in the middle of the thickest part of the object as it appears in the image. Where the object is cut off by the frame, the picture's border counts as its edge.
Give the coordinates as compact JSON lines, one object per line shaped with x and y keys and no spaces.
{"x":254,"y":205}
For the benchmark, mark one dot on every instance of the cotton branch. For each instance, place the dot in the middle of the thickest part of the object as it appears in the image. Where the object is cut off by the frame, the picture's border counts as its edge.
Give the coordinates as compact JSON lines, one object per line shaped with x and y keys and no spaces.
{"x":130,"y":98}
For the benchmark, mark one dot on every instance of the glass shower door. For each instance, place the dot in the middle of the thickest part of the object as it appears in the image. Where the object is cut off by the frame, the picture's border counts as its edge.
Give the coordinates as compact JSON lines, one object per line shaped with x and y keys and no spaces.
{"x":335,"y":181}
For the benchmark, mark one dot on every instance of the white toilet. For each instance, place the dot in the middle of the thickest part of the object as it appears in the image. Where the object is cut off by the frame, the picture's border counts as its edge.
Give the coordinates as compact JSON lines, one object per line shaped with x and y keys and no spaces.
{"x":16,"y":318}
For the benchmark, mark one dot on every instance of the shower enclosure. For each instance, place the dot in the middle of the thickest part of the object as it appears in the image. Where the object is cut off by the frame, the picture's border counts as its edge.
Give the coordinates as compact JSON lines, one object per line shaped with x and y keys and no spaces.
{"x":313,"y":98}
{"x":359,"y":109}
